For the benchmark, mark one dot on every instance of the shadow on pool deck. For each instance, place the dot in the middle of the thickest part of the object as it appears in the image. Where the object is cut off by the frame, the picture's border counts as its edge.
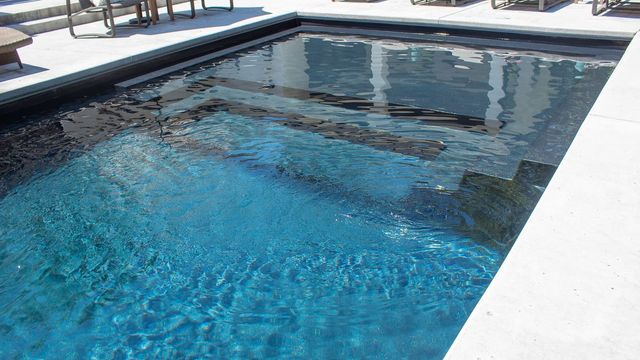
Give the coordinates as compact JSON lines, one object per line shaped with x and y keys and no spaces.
{"x":12,"y":71}
{"x":12,"y":2}
{"x":203,"y":19}
{"x":624,"y":10}
{"x":534,"y":7}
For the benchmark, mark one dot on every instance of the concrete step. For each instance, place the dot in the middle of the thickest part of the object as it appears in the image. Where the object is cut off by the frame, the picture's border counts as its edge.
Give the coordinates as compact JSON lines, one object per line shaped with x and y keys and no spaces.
{"x":60,"y":22}
{"x":30,"y":11}
{"x":44,"y":16}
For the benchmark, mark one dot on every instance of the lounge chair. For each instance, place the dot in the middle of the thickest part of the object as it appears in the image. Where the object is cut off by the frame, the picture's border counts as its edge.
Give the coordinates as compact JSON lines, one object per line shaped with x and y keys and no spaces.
{"x":106,"y":7}
{"x":451,"y":2}
{"x":229,"y":8}
{"x":172,"y":16}
{"x":596,"y":8}
{"x":10,"y":41}
{"x":542,"y":4}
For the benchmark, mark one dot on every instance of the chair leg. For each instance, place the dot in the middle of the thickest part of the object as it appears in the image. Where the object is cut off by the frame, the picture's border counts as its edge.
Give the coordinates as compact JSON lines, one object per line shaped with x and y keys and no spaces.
{"x":153,"y":6}
{"x":104,"y":19}
{"x":172,"y":17}
{"x":10,"y":58}
{"x":109,"y":34}
{"x":193,"y":8}
{"x":596,"y":9}
{"x":73,"y":34}
{"x":204,"y":6}
{"x":69,"y":19}
{"x":112,"y":31}
{"x":109,"y":20}
{"x":146,"y":11}
{"x":139,"y":14}
{"x":147,"y":14}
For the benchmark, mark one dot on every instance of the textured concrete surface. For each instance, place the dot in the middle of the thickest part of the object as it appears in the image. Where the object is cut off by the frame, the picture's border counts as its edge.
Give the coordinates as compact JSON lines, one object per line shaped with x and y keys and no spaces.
{"x":35,"y":17}
{"x":570,"y":288}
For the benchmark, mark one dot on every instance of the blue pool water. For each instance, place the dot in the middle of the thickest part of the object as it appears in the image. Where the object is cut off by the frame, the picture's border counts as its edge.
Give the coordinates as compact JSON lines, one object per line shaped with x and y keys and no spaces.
{"x":246,"y":208}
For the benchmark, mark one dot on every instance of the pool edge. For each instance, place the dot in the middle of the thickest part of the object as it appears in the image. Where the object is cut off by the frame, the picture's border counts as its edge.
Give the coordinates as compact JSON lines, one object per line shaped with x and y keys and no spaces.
{"x":568,"y":288}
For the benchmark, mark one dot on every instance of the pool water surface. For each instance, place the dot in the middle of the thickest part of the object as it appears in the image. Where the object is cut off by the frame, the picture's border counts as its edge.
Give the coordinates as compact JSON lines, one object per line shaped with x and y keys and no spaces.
{"x":319,"y":196}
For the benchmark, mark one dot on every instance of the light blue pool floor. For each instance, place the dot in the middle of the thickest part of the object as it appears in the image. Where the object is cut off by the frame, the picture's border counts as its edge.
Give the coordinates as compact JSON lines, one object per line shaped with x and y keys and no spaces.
{"x":143,"y":250}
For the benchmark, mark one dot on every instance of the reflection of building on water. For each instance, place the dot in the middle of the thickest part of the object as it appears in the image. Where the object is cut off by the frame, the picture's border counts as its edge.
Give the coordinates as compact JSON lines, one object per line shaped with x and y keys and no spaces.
{"x":496,"y":82}
{"x":290,"y":65}
{"x":483,"y":84}
{"x":379,"y":73}
{"x":509,"y":90}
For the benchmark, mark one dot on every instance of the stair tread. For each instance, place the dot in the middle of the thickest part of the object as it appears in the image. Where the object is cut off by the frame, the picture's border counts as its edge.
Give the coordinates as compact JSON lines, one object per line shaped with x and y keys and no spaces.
{"x":26,"y":12}
{"x":43,"y":19}
{"x":23,"y":7}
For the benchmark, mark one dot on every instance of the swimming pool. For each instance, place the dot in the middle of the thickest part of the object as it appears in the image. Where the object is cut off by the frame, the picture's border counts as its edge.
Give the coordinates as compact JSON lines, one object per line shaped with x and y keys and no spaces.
{"x":319,"y":196}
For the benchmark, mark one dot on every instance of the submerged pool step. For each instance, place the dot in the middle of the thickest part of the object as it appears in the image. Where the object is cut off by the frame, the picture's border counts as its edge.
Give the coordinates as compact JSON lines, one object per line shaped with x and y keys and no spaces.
{"x":428,"y":116}
{"x":564,"y":121}
{"x":499,"y":207}
{"x":471,"y":141}
{"x":350,"y":103}
{"x":193,"y":94}
{"x":420,"y":148}
{"x":448,"y":167}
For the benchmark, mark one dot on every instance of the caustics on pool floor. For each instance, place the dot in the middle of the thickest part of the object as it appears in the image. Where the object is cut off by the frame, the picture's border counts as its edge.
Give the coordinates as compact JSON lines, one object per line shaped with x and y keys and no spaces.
{"x":316,"y":197}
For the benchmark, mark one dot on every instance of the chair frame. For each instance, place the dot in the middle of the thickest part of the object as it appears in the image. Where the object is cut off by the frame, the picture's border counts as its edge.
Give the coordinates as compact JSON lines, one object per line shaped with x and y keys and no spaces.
{"x":107,"y":14}
{"x":209,"y":8}
{"x":172,"y":15}
{"x":451,"y":2}
{"x":11,"y":57}
{"x":542,"y":4}
{"x":608,"y":4}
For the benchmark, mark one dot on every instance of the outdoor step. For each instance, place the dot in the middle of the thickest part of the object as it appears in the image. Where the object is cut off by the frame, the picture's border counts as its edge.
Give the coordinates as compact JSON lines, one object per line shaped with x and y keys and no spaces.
{"x":54,"y":17}
{"x":30,"y":11}
{"x":60,"y":22}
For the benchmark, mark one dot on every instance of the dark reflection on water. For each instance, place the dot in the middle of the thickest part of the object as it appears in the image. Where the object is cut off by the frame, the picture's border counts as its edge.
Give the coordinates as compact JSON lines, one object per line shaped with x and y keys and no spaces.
{"x":315,"y":197}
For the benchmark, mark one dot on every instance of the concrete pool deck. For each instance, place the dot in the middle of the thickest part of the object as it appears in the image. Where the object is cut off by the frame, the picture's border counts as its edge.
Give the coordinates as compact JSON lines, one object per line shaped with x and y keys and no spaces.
{"x":570,"y":287}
